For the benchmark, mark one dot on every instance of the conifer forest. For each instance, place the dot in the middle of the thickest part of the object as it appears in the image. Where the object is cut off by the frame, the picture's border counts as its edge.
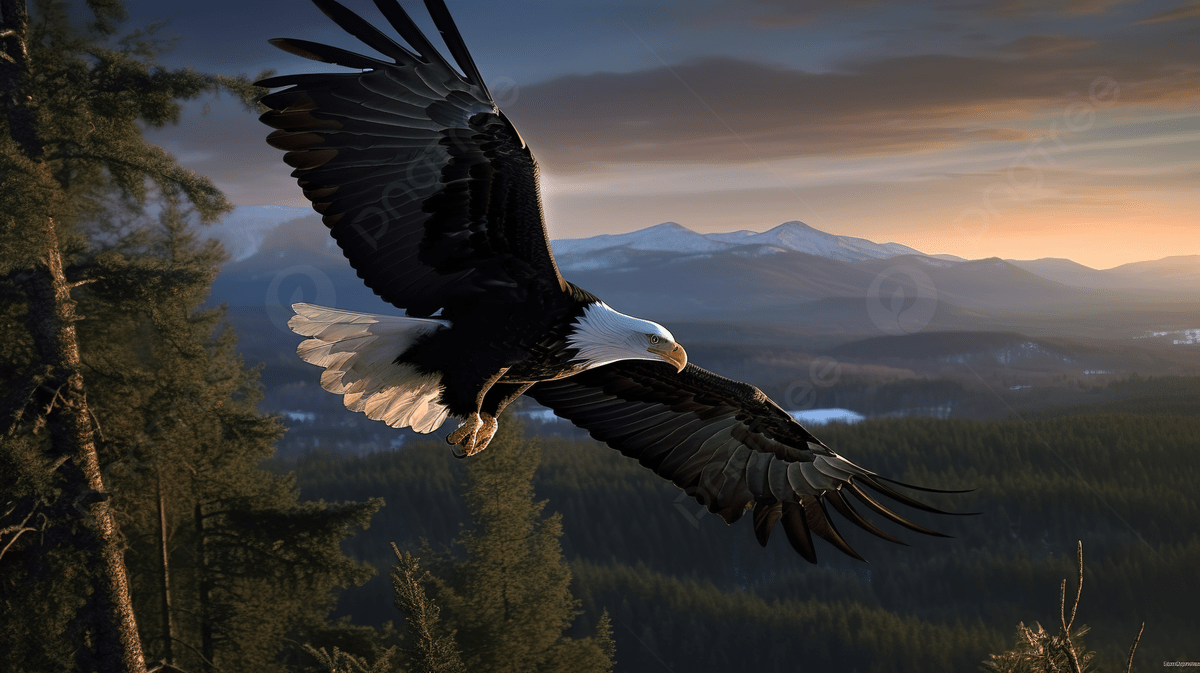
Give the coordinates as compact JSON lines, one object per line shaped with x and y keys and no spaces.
{"x":149,"y":522}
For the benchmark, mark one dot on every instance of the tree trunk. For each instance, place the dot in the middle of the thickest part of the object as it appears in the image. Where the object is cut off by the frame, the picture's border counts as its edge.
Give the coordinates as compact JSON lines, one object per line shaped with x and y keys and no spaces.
{"x":107,"y":619}
{"x":206,"y":631}
{"x":109,"y":614}
{"x":14,"y":68}
{"x":168,"y":635}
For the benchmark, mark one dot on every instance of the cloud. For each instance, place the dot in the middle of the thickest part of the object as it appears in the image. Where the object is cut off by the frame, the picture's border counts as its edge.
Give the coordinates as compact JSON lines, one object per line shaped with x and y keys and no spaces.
{"x":779,"y":14}
{"x":1004,"y":134}
{"x":226,"y":145}
{"x":1039,"y":45}
{"x":1181,"y":12}
{"x":782,"y":14}
{"x":771,"y":21}
{"x":728,"y":110}
{"x":1020,"y":9}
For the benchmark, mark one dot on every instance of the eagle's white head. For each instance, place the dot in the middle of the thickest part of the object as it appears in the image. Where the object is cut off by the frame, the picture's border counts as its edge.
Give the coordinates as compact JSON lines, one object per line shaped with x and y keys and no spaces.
{"x":604,"y":336}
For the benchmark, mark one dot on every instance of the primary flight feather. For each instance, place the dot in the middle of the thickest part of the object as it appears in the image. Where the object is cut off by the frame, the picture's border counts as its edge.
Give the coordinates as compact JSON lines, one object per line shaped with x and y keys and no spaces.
{"x":432,"y":196}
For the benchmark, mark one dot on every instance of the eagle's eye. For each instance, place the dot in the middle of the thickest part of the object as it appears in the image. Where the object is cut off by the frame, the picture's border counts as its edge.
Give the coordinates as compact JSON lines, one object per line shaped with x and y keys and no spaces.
{"x":654,"y":339}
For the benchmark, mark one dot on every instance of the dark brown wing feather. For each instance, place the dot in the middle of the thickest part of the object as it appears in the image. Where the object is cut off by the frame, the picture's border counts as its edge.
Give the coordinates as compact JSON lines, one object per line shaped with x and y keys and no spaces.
{"x":424,"y":183}
{"x":728,"y":445}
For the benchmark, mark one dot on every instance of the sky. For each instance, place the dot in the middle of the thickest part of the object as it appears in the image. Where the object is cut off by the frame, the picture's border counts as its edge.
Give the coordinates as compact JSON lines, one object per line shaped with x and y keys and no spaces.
{"x":1018,"y":129}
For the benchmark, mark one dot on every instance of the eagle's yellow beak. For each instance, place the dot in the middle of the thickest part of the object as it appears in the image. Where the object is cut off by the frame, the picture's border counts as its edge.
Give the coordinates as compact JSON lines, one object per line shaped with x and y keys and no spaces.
{"x":672,"y":353}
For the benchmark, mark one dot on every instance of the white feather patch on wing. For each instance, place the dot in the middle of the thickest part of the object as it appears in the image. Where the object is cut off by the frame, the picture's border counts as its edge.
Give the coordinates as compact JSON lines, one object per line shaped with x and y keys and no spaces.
{"x":358,"y":352}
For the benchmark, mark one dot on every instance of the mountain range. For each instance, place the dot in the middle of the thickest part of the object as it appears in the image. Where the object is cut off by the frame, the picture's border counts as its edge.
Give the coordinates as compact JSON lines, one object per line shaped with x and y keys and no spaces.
{"x":581,"y":253}
{"x":1178,"y":272}
{"x":245,"y":231}
{"x":792,"y":276}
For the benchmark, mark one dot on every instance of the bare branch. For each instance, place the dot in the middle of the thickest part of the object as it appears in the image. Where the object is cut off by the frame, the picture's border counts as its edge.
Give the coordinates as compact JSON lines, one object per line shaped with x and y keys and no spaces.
{"x":198,"y":652}
{"x":1067,"y":642}
{"x":1062,"y":604}
{"x":96,"y":422}
{"x":57,"y":397}
{"x":14,"y":539}
{"x":16,"y":531}
{"x":1133,"y":648}
{"x":1079,"y":591}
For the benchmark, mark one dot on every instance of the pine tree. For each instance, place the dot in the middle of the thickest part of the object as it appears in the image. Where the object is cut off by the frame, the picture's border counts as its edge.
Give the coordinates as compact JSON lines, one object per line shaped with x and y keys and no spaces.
{"x":510,"y":600}
{"x":224,"y":560}
{"x":72,"y":99}
{"x":159,"y":453}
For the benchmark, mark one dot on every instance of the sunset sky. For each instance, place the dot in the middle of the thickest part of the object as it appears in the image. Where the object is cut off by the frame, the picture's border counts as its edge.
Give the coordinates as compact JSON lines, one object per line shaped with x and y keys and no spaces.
{"x":1012,"y":128}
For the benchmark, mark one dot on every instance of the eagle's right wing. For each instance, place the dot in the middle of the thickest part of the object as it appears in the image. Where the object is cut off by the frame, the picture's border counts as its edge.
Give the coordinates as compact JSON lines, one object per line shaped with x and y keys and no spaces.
{"x":729,"y":446}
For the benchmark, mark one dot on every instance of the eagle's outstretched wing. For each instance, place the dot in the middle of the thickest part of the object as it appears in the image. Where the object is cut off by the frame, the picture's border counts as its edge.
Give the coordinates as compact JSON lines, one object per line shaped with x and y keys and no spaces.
{"x":426,"y":186}
{"x":729,"y":446}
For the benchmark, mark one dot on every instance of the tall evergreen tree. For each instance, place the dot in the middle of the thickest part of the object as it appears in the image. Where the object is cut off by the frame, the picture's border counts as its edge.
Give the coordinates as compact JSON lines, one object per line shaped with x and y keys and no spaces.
{"x":225,"y":561}
{"x":165,"y":439}
{"x":70,"y":138}
{"x":510,"y":599}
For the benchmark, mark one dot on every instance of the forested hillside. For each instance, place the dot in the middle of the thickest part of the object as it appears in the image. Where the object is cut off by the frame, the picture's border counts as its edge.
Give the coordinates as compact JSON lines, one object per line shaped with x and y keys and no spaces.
{"x":687,"y":592}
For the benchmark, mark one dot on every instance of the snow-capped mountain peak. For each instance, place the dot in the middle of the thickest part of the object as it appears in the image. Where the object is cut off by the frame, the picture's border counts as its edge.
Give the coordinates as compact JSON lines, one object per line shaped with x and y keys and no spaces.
{"x":668,"y":236}
{"x":672,"y":237}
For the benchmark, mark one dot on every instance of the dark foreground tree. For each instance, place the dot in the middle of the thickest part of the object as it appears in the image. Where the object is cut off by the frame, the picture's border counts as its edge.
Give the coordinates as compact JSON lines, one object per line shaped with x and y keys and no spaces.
{"x":224,"y":560}
{"x":510,"y":600}
{"x":72,"y":98}
{"x":158,"y":453}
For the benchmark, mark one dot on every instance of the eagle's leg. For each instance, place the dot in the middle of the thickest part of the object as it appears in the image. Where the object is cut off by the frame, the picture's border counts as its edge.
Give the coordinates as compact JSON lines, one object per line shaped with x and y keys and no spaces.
{"x":479,"y":425}
{"x":501,"y":395}
{"x":495,"y":400}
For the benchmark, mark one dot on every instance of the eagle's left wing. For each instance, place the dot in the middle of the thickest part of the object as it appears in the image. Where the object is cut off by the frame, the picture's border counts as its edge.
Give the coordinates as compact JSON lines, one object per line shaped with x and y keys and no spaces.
{"x":729,"y":446}
{"x":423,"y":182}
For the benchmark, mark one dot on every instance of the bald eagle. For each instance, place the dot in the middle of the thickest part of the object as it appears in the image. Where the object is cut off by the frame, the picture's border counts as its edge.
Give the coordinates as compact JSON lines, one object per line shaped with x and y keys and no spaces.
{"x":432,"y":195}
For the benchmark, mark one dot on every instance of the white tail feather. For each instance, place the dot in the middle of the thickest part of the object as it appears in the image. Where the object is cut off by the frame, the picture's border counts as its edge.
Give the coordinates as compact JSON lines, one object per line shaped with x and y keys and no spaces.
{"x":358,"y":352}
